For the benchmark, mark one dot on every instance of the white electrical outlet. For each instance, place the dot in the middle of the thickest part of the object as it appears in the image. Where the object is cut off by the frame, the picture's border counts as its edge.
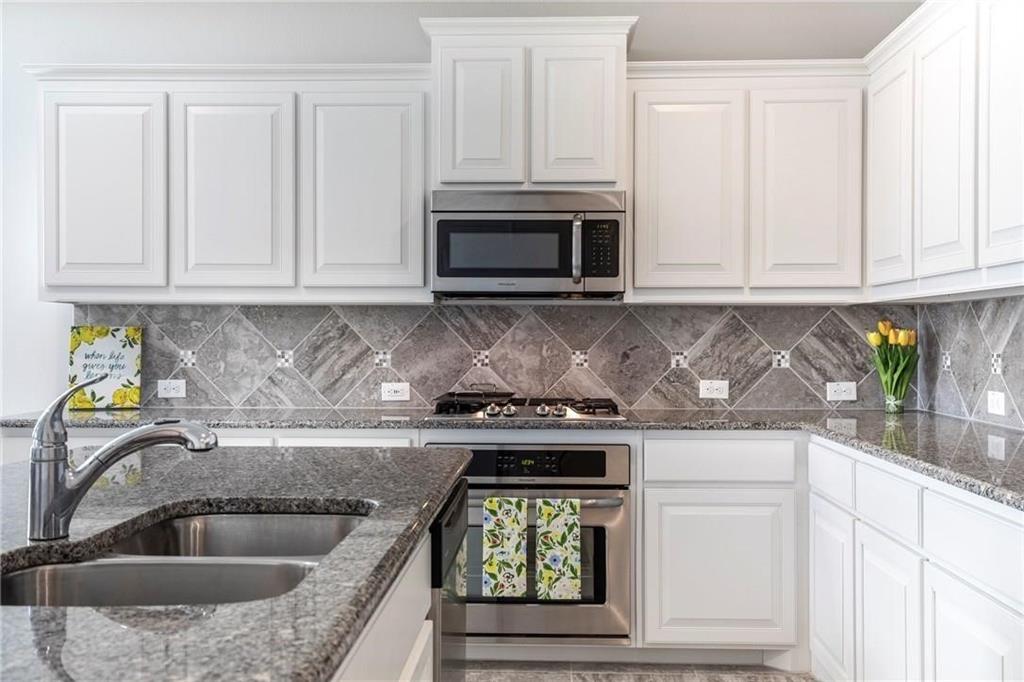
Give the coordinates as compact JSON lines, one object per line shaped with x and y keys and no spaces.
{"x":997,"y":403}
{"x":718,"y":390}
{"x":394,"y":392}
{"x":170,"y":388}
{"x":841,"y":390}
{"x":997,"y":448}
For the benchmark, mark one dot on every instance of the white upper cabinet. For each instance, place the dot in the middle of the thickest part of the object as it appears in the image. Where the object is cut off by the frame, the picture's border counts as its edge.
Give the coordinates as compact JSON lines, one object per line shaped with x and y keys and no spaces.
{"x":805,"y":187}
{"x":573,"y":113}
{"x":482,"y":104}
{"x":890,"y":171}
{"x":104,"y":189}
{"x":690,"y":162}
{"x":233,"y":188}
{"x":362,"y":189}
{"x":1001,"y":133}
{"x":944,"y":140}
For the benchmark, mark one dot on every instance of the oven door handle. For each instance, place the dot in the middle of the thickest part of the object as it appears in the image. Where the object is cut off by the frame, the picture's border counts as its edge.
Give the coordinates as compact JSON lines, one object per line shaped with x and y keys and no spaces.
{"x":577,"y":248}
{"x":585,"y":503}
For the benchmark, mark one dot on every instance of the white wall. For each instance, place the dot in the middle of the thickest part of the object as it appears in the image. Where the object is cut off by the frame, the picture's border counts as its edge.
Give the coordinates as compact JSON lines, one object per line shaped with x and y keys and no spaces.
{"x":33,"y":335}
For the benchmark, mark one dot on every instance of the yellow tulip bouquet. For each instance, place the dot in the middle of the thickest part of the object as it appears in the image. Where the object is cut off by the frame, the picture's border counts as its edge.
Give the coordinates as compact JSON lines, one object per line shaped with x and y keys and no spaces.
{"x":895,"y":358}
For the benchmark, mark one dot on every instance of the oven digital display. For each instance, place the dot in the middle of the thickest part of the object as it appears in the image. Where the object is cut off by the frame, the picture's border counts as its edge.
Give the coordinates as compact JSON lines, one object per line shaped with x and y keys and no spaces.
{"x":552,"y":463}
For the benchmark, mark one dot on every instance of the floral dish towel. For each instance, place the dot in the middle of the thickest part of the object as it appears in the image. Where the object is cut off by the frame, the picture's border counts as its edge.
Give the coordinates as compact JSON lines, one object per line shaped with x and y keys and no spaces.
{"x":558,"y":549}
{"x":504,"y":547}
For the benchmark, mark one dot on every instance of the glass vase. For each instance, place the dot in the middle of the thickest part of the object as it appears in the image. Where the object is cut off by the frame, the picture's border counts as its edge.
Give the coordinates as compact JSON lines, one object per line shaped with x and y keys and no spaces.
{"x":893,"y":405}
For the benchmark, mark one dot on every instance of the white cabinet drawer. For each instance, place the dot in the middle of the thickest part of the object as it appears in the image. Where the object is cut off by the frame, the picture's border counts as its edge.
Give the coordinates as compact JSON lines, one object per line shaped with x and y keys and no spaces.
{"x":830,"y":474}
{"x":980,"y":547}
{"x":719,"y":460}
{"x":889,"y":502}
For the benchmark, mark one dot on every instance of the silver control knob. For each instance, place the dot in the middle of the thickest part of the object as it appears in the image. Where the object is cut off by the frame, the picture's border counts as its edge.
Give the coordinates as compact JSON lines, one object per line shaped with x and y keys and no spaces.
{"x":509,"y":410}
{"x":543,"y":410}
{"x":492,"y":410}
{"x":558,"y":410}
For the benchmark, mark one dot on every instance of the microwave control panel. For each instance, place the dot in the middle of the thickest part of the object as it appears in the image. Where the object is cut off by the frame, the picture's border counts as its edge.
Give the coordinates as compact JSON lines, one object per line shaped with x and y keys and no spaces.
{"x":601,"y":248}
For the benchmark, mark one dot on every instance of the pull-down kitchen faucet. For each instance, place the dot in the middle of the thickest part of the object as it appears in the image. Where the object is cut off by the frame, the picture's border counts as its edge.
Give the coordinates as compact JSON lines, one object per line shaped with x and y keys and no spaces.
{"x":56,"y":488}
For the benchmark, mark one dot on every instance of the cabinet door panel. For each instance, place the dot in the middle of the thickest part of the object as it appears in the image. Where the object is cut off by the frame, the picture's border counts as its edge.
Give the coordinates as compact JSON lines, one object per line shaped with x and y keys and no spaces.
{"x":944,"y":77}
{"x":890,"y":171}
{"x":233,"y":189}
{"x":362,"y":189}
{"x":104,"y":189}
{"x":805,"y":188}
{"x":967,"y":636}
{"x":831,"y":587}
{"x":1001,"y":133}
{"x":482,"y":105}
{"x":690,"y":207}
{"x":719,"y":567}
{"x":573,"y":119}
{"x":888,"y":613}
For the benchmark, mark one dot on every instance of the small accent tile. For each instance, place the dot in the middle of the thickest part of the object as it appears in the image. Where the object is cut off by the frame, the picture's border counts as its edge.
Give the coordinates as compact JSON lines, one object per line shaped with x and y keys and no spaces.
{"x":381,"y":358}
{"x":680,"y":358}
{"x":947,"y":361}
{"x":187,"y":358}
{"x":780,"y":358}
{"x":481,"y":358}
{"x":580,"y":358}
{"x":997,"y":363}
{"x":285,"y":358}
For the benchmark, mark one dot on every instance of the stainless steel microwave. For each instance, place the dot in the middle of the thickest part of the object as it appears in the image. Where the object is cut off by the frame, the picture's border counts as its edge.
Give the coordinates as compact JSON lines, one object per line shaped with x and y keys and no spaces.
{"x":528,"y":243}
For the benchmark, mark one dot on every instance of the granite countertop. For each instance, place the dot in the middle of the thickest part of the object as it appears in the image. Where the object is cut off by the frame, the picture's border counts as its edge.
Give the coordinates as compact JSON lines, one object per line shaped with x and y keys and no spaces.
{"x":302,"y":634}
{"x":955,"y":451}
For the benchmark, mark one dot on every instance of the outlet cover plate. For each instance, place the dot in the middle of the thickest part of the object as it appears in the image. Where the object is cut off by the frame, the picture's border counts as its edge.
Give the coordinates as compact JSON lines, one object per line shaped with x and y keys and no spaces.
{"x":714,"y":389}
{"x":391,"y":392}
{"x":997,"y":403}
{"x":841,"y":390}
{"x":170,"y":388}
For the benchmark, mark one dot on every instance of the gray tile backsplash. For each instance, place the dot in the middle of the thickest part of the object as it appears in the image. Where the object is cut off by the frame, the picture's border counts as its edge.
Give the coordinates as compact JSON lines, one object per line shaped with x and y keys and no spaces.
{"x":642,"y":356}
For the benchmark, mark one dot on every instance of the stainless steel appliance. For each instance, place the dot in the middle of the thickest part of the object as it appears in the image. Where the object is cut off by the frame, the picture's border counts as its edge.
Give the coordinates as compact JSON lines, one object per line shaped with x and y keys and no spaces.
{"x":448,"y":604}
{"x":488,"y":403}
{"x":528,"y":243}
{"x":599,"y":476}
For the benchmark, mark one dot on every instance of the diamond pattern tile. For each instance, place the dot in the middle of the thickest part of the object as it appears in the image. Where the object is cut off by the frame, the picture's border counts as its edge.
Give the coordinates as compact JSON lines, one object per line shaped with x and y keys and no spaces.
{"x":780,"y":327}
{"x":333,"y":359}
{"x":679,"y":326}
{"x":188,"y":326}
{"x":431,"y":358}
{"x":285,"y":387}
{"x":629,"y":359}
{"x":284,"y":326}
{"x":530,"y":358}
{"x":832,"y":351}
{"x":731,"y":351}
{"x":480,"y":326}
{"x":679,"y":388}
{"x":382,"y":326}
{"x":579,"y":327}
{"x":236,"y":358}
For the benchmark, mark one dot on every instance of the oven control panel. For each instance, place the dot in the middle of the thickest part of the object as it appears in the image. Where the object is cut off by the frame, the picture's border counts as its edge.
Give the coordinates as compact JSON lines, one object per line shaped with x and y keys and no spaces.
{"x":601,"y":248}
{"x":537,"y":464}
{"x":546,"y":463}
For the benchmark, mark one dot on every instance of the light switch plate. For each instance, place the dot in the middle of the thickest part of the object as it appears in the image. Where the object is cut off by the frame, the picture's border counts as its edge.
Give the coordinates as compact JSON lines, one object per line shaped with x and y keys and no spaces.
{"x":170,"y":388}
{"x":714,"y":389}
{"x":841,"y":390}
{"x":997,"y":403}
{"x":397,"y":391}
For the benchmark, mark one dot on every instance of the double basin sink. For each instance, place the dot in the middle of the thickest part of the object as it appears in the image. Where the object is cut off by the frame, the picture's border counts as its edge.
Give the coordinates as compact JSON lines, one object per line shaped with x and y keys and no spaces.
{"x":207,"y":559}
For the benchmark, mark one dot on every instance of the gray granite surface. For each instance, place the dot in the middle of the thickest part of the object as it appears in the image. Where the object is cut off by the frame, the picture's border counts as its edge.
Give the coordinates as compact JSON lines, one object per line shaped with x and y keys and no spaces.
{"x":948,"y":449}
{"x":303,"y":634}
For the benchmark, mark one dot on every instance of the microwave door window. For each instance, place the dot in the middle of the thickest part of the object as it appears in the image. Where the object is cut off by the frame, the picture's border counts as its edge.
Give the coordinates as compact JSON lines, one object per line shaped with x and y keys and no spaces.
{"x":488,"y":248}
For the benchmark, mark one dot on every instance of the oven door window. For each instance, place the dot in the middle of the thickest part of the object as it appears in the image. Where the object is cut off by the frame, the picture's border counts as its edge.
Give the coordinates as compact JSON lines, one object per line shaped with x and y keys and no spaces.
{"x":592,"y":574}
{"x":504,"y":248}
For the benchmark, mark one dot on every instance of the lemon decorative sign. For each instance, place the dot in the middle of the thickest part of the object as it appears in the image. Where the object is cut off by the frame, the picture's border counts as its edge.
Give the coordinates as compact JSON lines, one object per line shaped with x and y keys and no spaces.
{"x":95,"y":349}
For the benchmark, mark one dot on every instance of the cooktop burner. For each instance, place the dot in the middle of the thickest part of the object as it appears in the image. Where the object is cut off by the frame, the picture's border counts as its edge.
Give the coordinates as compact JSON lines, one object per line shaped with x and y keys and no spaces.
{"x":492,"y":404}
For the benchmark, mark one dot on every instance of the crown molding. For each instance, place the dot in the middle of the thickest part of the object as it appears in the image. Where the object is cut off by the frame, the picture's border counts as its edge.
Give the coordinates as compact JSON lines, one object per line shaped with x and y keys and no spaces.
{"x":902,"y":35}
{"x":760,"y":68}
{"x":480,"y":26}
{"x":220,"y":72}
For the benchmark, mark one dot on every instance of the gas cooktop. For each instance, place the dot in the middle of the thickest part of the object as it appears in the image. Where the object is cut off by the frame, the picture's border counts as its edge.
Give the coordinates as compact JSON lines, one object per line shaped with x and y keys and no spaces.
{"x":506,"y":405}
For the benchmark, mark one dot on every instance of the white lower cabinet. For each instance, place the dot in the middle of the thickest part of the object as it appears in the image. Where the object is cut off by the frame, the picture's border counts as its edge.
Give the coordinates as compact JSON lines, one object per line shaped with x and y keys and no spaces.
{"x":967,"y":635}
{"x":719,"y":566}
{"x":887,"y":585}
{"x":831,"y":590}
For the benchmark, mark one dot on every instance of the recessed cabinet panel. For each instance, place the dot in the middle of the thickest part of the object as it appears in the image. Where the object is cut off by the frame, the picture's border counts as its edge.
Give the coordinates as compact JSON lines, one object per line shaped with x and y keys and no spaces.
{"x":573,"y":119}
{"x":944,"y":65}
{"x":233,"y":189}
{"x":104,"y":189}
{"x":690,"y":196}
{"x":1001,"y":133}
{"x":967,"y":635}
{"x":482,"y":107}
{"x":890,"y":171}
{"x":831,"y":590}
{"x":805,"y":180}
{"x":362,"y":189}
{"x":719,"y":567}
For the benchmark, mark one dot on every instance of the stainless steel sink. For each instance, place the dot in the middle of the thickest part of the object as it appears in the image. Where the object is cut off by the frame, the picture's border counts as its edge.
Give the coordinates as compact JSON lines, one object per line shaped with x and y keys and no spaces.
{"x":308,"y":536}
{"x":151,"y":582}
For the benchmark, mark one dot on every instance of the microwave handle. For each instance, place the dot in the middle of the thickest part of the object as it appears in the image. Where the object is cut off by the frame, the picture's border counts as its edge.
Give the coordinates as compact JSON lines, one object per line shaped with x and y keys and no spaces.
{"x":577,"y":248}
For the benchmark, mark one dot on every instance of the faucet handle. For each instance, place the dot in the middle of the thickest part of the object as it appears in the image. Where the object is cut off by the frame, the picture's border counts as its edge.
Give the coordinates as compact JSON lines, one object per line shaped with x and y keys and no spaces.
{"x":49,"y":429}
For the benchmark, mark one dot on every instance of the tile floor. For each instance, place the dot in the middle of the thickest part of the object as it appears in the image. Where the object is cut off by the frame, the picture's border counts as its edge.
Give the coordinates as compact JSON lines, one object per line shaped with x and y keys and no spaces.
{"x":509,"y":671}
